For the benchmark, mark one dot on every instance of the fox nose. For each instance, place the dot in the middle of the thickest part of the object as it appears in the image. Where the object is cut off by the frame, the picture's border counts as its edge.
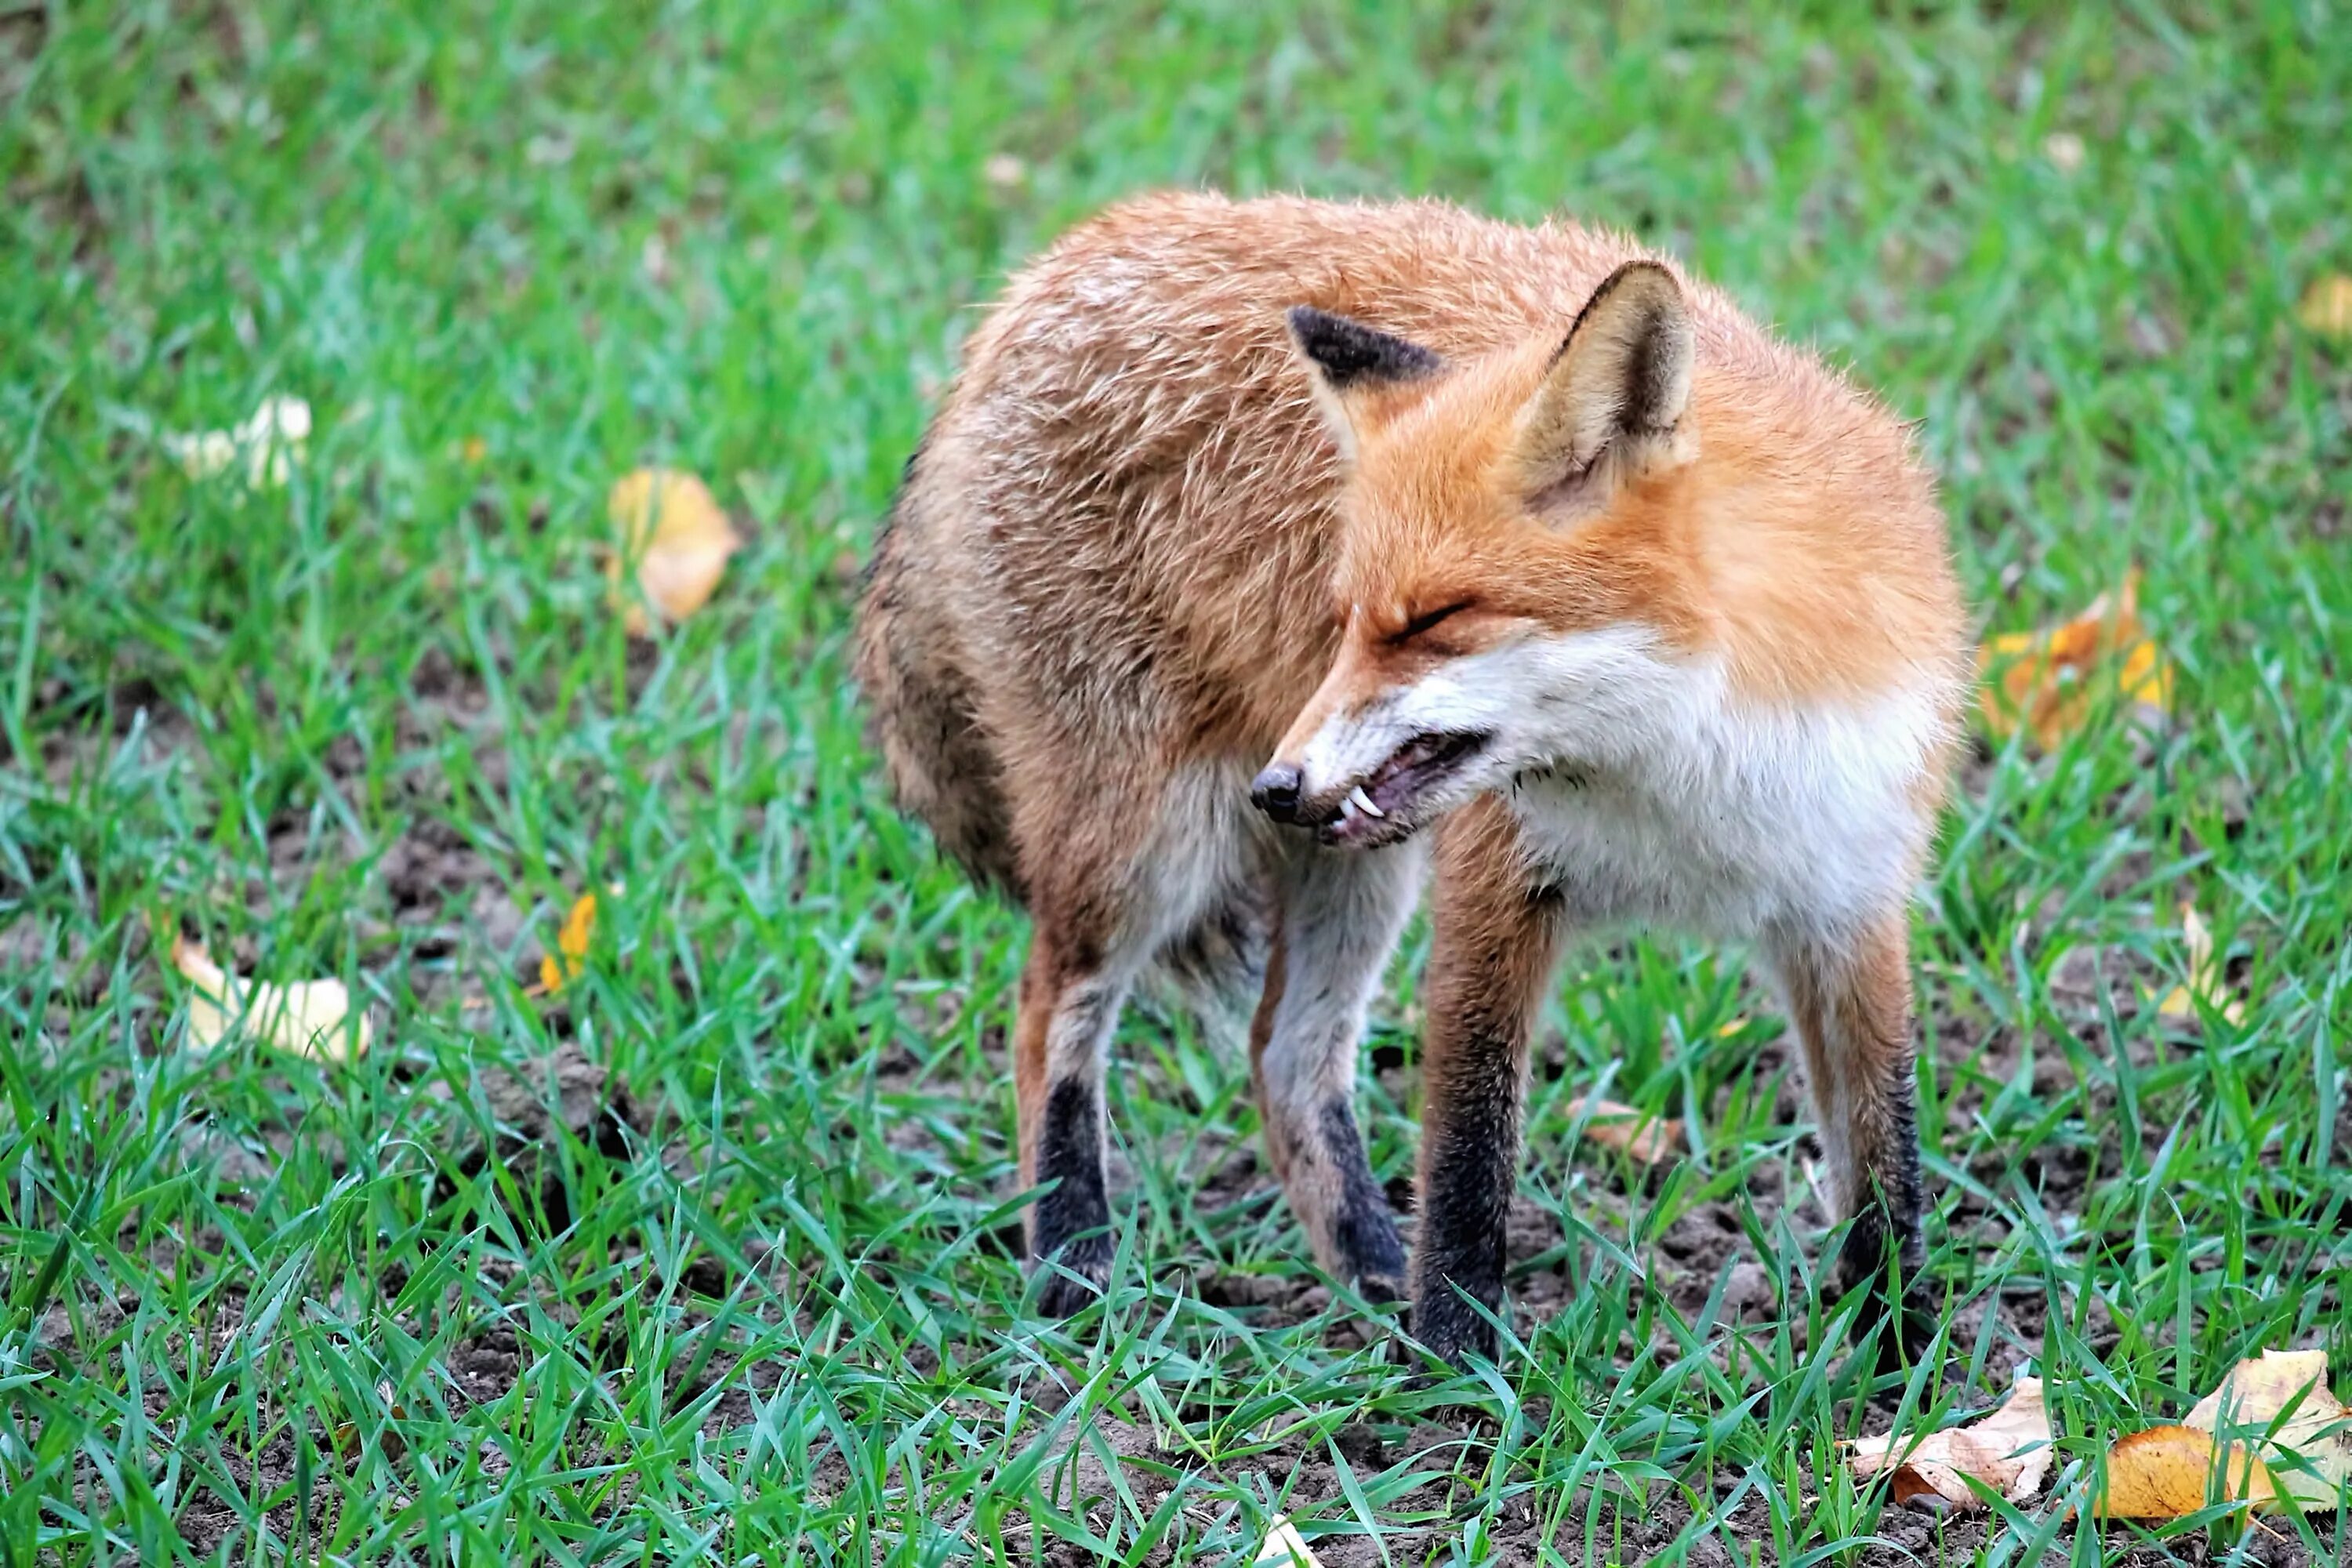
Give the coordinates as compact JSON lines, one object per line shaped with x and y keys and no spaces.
{"x":1275,"y":792}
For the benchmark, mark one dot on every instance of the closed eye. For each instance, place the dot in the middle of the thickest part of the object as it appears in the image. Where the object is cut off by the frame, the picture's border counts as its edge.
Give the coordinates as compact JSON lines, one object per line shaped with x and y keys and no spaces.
{"x":1428,"y":618}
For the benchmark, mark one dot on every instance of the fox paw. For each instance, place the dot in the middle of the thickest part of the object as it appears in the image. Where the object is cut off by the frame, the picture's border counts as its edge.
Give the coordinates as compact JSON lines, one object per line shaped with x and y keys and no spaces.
{"x":1072,"y":1278}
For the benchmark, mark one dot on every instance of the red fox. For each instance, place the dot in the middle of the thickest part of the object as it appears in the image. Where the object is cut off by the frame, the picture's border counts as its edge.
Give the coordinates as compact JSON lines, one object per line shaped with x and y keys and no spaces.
{"x":1267,"y":553}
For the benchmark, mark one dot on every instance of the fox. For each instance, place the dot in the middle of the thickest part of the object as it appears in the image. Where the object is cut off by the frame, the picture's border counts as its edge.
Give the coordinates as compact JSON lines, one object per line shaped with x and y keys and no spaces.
{"x":1270,"y":560}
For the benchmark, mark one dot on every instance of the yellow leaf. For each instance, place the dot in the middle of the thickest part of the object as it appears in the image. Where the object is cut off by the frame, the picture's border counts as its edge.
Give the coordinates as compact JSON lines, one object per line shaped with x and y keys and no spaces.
{"x":2326,"y":307}
{"x":473,"y":449}
{"x":2205,"y":977}
{"x":1613,"y":1126}
{"x":2168,"y":1471}
{"x":2319,"y":1433}
{"x":306,"y":1017}
{"x":666,"y":524}
{"x":2047,"y":682}
{"x":2008,"y":1451}
{"x":571,"y":946}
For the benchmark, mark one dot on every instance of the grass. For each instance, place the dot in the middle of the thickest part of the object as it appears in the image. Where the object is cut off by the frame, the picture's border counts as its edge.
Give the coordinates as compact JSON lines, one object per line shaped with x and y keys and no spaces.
{"x":381,"y":725}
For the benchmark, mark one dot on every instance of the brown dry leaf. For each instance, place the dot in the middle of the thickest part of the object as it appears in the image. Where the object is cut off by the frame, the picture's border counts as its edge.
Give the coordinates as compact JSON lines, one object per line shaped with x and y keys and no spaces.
{"x":2009,"y":1451}
{"x":2326,"y":307}
{"x":2048,"y":682}
{"x":667,"y":524}
{"x":2319,"y":1432}
{"x":1648,"y":1139}
{"x":2168,"y":1471}
{"x":571,"y":947}
{"x":306,"y":1017}
{"x":2205,"y":979}
{"x":346,"y":1435}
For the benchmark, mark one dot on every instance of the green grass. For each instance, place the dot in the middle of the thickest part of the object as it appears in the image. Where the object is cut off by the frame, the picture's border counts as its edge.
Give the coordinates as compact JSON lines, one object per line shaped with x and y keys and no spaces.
{"x":381,"y":725}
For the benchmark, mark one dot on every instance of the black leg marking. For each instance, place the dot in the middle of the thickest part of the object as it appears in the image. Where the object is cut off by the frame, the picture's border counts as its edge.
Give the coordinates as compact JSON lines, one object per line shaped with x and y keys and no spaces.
{"x":1366,"y":1230}
{"x":1470,"y":1180}
{"x":1889,"y":1212}
{"x":1886,"y":1245}
{"x":1069,"y":1151}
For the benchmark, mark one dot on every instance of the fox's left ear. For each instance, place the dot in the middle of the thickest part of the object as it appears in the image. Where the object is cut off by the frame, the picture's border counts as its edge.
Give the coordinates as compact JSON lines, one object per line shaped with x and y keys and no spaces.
{"x":1613,"y":401}
{"x":1362,"y":375}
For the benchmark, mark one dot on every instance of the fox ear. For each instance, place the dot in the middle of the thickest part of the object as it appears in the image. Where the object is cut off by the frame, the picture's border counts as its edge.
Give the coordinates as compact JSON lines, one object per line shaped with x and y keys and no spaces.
{"x":1613,"y":403}
{"x":1358,"y":372}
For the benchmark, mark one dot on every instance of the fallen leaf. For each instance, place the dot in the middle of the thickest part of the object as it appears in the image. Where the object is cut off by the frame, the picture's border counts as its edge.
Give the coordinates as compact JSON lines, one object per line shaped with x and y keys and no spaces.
{"x":666,"y":524}
{"x":346,"y":1435}
{"x":571,"y":946}
{"x":2168,"y":1471}
{"x":306,"y":1017}
{"x":1647,"y":1138}
{"x":473,"y":449}
{"x":272,"y":442}
{"x":2047,"y":683}
{"x":2319,"y":1433}
{"x":2009,"y":1451}
{"x":2205,"y":978}
{"x":1283,"y":1547}
{"x":2326,"y":307}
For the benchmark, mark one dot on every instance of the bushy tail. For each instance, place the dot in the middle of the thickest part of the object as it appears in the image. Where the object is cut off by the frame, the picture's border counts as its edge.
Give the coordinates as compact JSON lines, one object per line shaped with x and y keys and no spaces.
{"x":924,"y":719}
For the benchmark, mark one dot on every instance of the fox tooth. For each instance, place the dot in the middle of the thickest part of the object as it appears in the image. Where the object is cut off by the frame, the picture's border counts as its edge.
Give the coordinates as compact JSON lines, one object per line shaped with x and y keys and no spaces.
{"x":1363,"y":802}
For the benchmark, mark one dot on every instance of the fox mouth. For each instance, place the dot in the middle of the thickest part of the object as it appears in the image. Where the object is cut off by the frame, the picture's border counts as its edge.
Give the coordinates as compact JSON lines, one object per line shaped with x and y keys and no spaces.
{"x":1384,"y":806}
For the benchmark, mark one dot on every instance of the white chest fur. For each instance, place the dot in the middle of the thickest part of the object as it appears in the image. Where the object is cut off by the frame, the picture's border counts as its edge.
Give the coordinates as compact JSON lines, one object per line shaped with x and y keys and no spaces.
{"x":1687,"y":807}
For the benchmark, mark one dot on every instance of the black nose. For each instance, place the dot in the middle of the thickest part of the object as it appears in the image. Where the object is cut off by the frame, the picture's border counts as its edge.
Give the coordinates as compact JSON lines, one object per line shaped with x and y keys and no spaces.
{"x":1275,"y":793}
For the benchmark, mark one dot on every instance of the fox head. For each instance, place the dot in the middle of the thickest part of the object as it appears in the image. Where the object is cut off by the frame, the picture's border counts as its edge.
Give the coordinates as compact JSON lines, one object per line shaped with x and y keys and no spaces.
{"x":1510,"y":556}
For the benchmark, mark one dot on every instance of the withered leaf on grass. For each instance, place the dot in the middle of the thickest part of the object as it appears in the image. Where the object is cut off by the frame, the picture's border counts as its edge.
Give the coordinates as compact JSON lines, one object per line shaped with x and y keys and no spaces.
{"x":2008,"y":1451}
{"x":557,"y":968}
{"x":2166,"y":1472}
{"x":1283,"y":1547}
{"x":308,"y":1017}
{"x":1648,"y":1139}
{"x":2206,"y":982}
{"x":667,"y":526}
{"x":2318,"y":1435}
{"x":350,"y":1443}
{"x":272,"y":441}
{"x":2049,"y":682}
{"x":2327,"y":308}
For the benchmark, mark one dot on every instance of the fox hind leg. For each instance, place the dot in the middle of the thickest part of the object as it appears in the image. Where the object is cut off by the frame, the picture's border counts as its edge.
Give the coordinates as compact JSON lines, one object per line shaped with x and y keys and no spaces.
{"x":1069,"y":1003}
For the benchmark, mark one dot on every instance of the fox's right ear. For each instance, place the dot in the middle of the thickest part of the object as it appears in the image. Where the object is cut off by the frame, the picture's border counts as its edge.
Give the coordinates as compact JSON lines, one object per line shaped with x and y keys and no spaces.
{"x":1362,"y":375}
